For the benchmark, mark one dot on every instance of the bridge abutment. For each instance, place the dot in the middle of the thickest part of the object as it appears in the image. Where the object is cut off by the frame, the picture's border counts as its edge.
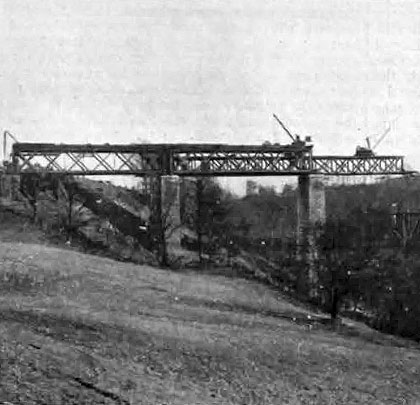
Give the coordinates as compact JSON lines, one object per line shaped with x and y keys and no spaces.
{"x":311,"y":215}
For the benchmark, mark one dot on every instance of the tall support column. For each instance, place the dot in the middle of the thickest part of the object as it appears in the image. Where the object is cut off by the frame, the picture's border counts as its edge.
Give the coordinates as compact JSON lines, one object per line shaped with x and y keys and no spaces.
{"x":311,"y":215}
{"x":188,"y":186}
{"x":311,"y":204}
{"x":10,"y":186}
{"x":170,"y":211}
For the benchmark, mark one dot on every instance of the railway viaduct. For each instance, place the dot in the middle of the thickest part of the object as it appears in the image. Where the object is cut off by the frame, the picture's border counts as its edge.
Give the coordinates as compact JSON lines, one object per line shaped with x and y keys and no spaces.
{"x":169,"y":162}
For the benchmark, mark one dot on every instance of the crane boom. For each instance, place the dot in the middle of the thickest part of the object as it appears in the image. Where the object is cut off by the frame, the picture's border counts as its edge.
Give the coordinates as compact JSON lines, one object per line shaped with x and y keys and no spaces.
{"x":381,"y":138}
{"x":284,"y":127}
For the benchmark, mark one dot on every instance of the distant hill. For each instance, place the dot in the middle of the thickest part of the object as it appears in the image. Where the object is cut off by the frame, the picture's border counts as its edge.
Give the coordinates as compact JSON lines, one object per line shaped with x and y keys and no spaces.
{"x":404,"y":192}
{"x":267,"y":215}
{"x":105,"y":219}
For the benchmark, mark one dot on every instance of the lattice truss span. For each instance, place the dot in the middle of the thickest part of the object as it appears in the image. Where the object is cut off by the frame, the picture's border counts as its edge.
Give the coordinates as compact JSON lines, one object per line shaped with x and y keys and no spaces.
{"x":240,"y":163}
{"x":353,"y":166}
{"x":194,"y":160}
{"x":84,"y":159}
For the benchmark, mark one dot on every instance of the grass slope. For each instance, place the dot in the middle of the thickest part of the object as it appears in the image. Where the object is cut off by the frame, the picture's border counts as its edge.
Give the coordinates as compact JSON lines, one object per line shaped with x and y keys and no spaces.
{"x":79,"y":329}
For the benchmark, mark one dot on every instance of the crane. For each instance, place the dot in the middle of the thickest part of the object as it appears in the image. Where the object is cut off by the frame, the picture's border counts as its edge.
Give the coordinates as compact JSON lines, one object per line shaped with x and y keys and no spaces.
{"x":368,"y":151}
{"x":296,"y":141}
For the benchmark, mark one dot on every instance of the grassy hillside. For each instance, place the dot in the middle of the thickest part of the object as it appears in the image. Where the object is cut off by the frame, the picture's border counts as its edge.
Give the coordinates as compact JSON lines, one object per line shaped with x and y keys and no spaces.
{"x":79,"y":329}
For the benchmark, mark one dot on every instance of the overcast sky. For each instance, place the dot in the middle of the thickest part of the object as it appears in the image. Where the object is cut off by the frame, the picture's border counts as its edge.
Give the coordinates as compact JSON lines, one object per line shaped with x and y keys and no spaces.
{"x":212,"y":71}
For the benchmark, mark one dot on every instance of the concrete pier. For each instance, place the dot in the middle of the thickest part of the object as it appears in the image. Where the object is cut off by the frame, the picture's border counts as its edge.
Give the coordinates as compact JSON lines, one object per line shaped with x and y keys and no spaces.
{"x":311,"y":215}
{"x":170,"y":210}
{"x":311,"y":211}
{"x":9,"y":186}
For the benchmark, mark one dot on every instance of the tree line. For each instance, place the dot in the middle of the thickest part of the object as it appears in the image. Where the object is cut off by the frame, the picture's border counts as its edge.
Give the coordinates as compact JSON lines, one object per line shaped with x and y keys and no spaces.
{"x":362,"y":267}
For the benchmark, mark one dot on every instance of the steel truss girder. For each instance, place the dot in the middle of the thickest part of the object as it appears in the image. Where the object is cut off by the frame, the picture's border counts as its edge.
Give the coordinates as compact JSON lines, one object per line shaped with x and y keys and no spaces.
{"x":195,"y":160}
{"x":354,"y":166}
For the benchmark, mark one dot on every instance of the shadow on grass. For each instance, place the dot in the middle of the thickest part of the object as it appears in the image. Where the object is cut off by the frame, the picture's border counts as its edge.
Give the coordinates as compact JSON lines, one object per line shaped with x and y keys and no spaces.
{"x":64,"y":328}
{"x":311,"y":321}
{"x":293,"y":316}
{"x":161,"y":354}
{"x":33,"y":283}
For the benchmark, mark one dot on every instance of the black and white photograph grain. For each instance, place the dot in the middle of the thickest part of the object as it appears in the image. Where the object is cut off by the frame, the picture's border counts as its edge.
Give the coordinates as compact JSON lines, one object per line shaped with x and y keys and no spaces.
{"x":209,"y":202}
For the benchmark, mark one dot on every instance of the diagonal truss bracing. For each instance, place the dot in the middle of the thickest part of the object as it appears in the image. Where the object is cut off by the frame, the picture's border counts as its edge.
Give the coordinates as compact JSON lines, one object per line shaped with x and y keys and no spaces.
{"x":353,"y":166}
{"x":195,"y":160}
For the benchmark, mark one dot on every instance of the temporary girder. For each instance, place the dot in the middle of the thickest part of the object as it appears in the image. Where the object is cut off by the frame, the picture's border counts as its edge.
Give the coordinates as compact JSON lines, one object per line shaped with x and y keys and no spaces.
{"x":195,"y":160}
